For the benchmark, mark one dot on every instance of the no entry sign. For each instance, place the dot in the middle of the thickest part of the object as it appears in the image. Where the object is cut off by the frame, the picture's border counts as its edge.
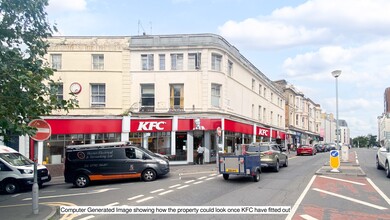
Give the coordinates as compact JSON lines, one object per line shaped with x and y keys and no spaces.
{"x":43,"y":129}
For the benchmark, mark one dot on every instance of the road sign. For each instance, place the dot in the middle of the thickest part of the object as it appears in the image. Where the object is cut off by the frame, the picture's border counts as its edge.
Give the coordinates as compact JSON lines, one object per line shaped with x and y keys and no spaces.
{"x":43,"y":129}
{"x":334,"y":160}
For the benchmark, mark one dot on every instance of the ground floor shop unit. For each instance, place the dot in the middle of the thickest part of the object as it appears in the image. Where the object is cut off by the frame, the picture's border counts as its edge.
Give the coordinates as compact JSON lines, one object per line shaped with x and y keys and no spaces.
{"x":175,"y":137}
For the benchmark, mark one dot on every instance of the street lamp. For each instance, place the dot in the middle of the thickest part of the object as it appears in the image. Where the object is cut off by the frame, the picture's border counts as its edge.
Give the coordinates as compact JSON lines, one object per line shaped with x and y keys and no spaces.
{"x":336,"y":74}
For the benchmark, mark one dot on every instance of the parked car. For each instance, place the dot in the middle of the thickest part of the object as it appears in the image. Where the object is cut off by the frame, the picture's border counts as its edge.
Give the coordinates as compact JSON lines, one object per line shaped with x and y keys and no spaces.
{"x":332,"y":146}
{"x":306,"y":149}
{"x":383,"y":159}
{"x":271,"y":154}
{"x":320,"y":147}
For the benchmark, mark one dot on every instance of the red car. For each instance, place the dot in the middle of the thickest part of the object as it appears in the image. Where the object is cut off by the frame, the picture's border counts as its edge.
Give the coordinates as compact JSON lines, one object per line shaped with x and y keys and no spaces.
{"x":306,"y":149}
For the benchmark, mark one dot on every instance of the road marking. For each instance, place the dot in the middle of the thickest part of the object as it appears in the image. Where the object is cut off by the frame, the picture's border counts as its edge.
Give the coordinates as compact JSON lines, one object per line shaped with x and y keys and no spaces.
{"x":142,"y":200}
{"x":210,"y":178}
{"x":213,"y":174}
{"x":342,"y":180}
{"x":298,"y":202}
{"x":166,"y":192}
{"x":158,"y":190}
{"x":135,"y":197}
{"x":181,"y":187}
{"x":16,"y":195}
{"x":88,"y":217}
{"x":47,"y":191}
{"x":174,"y":186}
{"x":189,"y":181}
{"x":76,"y":194}
{"x":112,"y":204}
{"x":351,"y":199}
{"x":308,"y":217}
{"x":379,"y":191}
{"x":198,"y":182}
{"x":200,"y":178}
{"x":184,"y":174}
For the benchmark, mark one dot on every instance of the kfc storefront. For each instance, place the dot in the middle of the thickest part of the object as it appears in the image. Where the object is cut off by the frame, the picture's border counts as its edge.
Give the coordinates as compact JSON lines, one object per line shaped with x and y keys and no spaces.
{"x":174,"y":137}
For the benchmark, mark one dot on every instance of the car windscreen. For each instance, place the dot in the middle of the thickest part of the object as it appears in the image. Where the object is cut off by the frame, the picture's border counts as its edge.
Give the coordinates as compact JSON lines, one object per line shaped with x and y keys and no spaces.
{"x":16,"y":159}
{"x":257,"y":148}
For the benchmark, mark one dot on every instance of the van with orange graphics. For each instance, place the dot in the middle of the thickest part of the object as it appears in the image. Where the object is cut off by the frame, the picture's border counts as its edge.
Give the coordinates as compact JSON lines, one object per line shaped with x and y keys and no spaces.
{"x":111,"y":161}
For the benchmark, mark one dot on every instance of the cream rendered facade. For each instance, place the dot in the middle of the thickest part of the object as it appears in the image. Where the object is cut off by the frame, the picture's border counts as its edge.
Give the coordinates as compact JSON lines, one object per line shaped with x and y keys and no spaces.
{"x":244,"y":92}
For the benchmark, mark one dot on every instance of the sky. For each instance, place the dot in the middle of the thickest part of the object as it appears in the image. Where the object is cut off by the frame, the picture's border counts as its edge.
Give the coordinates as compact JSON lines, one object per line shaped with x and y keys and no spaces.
{"x":299,"y":41}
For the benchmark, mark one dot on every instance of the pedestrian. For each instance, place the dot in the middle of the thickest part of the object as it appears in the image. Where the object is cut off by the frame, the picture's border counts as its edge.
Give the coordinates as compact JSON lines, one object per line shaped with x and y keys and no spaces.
{"x":199,"y":157}
{"x":288,"y":148}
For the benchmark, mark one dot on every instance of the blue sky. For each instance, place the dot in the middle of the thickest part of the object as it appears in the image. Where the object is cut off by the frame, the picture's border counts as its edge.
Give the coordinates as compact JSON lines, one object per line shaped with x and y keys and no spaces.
{"x":299,"y":41}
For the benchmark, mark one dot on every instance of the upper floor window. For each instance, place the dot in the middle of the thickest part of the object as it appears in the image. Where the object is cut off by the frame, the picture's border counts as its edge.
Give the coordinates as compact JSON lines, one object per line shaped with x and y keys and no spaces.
{"x":176,"y":96}
{"x":176,"y":61}
{"x":253,"y":84}
{"x":147,"y":61}
{"x":272,"y":97}
{"x":259,"y":113}
{"x":98,"y":62}
{"x":98,"y":95}
{"x":216,"y":60}
{"x":147,"y":97}
{"x":162,"y":61}
{"x":215,"y":95}
{"x":265,"y":92}
{"x":194,"y":61}
{"x":58,"y":89}
{"x":260,"y":88}
{"x":56,"y":61}
{"x":230,"y":68}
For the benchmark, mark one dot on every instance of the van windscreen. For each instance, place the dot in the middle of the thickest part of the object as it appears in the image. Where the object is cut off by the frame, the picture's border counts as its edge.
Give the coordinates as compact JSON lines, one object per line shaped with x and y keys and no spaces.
{"x":16,"y":159}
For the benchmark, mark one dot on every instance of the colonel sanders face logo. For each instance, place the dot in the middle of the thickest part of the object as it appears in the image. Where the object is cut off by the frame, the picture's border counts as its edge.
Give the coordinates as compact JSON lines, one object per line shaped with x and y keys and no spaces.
{"x":197,"y":125}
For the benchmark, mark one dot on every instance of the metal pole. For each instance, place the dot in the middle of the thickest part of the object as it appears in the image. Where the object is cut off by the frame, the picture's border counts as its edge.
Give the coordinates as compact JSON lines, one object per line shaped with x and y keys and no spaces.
{"x":337,"y":116}
{"x":35,"y":188}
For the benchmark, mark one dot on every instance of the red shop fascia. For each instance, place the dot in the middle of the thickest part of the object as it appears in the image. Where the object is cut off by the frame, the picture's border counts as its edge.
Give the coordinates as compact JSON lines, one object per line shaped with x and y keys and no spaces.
{"x":68,"y":126}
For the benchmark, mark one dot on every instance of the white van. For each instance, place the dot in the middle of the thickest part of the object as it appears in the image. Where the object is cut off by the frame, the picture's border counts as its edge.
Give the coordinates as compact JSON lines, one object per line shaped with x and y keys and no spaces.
{"x":17,"y":171}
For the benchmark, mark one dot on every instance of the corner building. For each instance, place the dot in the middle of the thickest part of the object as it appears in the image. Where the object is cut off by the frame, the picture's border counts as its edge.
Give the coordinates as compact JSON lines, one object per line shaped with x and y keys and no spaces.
{"x":167,"y":93}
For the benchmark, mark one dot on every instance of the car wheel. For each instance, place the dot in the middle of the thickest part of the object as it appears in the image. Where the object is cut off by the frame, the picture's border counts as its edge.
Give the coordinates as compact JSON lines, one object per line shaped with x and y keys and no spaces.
{"x":286,"y":163}
{"x":149,"y":175}
{"x":225,"y":176}
{"x":11,"y":187}
{"x":387,"y":169}
{"x":256,"y":177}
{"x":277,"y":166}
{"x":81,"y":181}
{"x":378,"y":166}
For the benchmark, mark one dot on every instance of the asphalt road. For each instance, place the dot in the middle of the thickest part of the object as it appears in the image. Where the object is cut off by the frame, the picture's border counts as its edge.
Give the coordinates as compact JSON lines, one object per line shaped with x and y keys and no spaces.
{"x":201,"y":185}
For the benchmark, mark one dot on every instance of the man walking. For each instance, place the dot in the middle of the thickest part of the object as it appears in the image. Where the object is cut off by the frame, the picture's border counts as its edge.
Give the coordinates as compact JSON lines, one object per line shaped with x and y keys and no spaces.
{"x":199,"y":157}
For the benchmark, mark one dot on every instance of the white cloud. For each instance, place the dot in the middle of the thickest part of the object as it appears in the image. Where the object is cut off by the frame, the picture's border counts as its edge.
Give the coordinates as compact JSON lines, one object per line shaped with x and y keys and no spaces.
{"x":56,"y":6}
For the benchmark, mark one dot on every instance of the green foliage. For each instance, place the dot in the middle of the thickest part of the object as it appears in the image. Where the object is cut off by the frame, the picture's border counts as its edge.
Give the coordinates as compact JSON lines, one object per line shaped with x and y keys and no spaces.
{"x":365,"y":141}
{"x":26,"y":90}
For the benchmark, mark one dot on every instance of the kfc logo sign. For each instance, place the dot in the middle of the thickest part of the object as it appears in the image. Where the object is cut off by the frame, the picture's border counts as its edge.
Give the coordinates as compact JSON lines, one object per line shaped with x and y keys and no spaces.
{"x":263,"y":132}
{"x":151,"y":125}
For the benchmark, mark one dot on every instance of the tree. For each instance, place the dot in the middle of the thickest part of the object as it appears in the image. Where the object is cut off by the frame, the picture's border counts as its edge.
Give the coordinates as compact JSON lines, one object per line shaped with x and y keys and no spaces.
{"x":361,"y":141}
{"x":26,"y":89}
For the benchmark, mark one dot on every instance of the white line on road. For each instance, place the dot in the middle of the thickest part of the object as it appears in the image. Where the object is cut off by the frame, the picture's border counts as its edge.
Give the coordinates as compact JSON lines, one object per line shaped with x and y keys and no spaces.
{"x":166,"y":192}
{"x":351,"y":199}
{"x":298,"y":202}
{"x":135,"y":197}
{"x":184,"y":174}
{"x":88,"y":217}
{"x":214,"y":174}
{"x":112,"y":204}
{"x":347,"y":181}
{"x":77,"y":194}
{"x":189,"y":181}
{"x":198,"y":182}
{"x":210,"y":178}
{"x":200,"y":178}
{"x":16,"y":195}
{"x":308,"y":217}
{"x":379,"y":191}
{"x":181,"y":187}
{"x":158,"y":190}
{"x":174,"y":186}
{"x":142,"y":200}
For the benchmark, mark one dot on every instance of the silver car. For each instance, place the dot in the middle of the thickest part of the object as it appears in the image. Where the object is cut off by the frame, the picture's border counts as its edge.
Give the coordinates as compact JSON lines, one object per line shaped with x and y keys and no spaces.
{"x":271,"y":155}
{"x":383,"y":159}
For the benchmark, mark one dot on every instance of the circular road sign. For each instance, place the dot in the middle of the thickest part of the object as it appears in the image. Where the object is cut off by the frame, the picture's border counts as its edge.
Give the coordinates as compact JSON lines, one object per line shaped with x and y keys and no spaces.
{"x":43,"y":129}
